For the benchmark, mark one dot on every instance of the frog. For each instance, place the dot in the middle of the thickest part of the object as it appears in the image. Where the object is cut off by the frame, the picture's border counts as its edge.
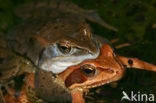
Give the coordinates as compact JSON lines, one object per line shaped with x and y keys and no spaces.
{"x":52,"y":40}
{"x":78,"y":79}
{"x":34,"y":38}
{"x":107,"y":68}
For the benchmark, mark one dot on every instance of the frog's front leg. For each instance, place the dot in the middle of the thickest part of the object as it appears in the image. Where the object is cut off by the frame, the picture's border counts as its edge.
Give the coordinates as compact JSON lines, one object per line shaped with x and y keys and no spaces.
{"x":50,"y":88}
{"x":77,"y":97}
{"x":136,"y":63}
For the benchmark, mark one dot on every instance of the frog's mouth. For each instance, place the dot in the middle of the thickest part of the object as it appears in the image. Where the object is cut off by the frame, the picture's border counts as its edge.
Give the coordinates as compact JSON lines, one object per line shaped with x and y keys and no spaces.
{"x":59,"y":64}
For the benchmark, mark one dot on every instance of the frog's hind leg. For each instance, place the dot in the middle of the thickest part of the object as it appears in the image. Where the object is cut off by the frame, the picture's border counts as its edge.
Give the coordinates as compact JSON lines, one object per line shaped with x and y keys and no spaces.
{"x":136,"y":63}
{"x":93,"y":16}
{"x":39,"y":8}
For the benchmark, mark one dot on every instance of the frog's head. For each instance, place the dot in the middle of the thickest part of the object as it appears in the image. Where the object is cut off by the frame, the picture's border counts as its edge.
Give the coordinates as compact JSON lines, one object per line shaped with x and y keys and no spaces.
{"x":92,"y":73}
{"x":70,"y":48}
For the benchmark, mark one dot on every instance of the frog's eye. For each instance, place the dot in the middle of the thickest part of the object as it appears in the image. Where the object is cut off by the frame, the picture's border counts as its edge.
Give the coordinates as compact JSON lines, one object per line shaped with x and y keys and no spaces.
{"x":64,"y":48}
{"x":89,"y":70}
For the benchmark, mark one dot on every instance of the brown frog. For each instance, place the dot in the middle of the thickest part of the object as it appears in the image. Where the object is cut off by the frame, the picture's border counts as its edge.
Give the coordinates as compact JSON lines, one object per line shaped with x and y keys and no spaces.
{"x":54,"y":43}
{"x":107,"y":68}
{"x":56,"y":38}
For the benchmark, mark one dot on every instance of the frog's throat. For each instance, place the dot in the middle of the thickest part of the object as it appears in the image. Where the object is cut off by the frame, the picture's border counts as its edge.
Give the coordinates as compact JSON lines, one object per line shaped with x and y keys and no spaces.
{"x":60,"y":64}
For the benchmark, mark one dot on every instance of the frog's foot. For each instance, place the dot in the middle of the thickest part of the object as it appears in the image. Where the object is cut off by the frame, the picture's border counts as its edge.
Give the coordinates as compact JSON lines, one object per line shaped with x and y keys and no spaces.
{"x":93,"y":16}
{"x":136,"y":63}
{"x":19,"y":97}
{"x":5,"y":98}
{"x":2,"y":98}
{"x":9,"y":91}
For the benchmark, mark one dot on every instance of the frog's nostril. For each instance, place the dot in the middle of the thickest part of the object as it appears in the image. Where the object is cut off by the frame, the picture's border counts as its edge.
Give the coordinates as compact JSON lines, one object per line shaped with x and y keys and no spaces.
{"x":16,"y":95}
{"x":130,"y":62}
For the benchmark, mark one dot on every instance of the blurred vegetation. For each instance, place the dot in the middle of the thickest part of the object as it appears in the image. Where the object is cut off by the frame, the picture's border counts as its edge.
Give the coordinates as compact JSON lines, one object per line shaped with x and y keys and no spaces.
{"x":136,"y":22}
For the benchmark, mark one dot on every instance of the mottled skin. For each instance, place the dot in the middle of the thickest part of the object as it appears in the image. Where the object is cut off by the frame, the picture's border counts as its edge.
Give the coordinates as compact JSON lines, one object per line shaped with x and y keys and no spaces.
{"x":11,"y":64}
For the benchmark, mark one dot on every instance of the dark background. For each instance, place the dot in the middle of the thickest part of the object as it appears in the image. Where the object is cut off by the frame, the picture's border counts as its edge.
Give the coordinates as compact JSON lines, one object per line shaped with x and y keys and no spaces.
{"x":136,"y":22}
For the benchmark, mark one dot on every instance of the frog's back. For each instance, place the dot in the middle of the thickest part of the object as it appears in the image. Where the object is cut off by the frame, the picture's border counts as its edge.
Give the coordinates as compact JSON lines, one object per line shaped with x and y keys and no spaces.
{"x":34,"y":34}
